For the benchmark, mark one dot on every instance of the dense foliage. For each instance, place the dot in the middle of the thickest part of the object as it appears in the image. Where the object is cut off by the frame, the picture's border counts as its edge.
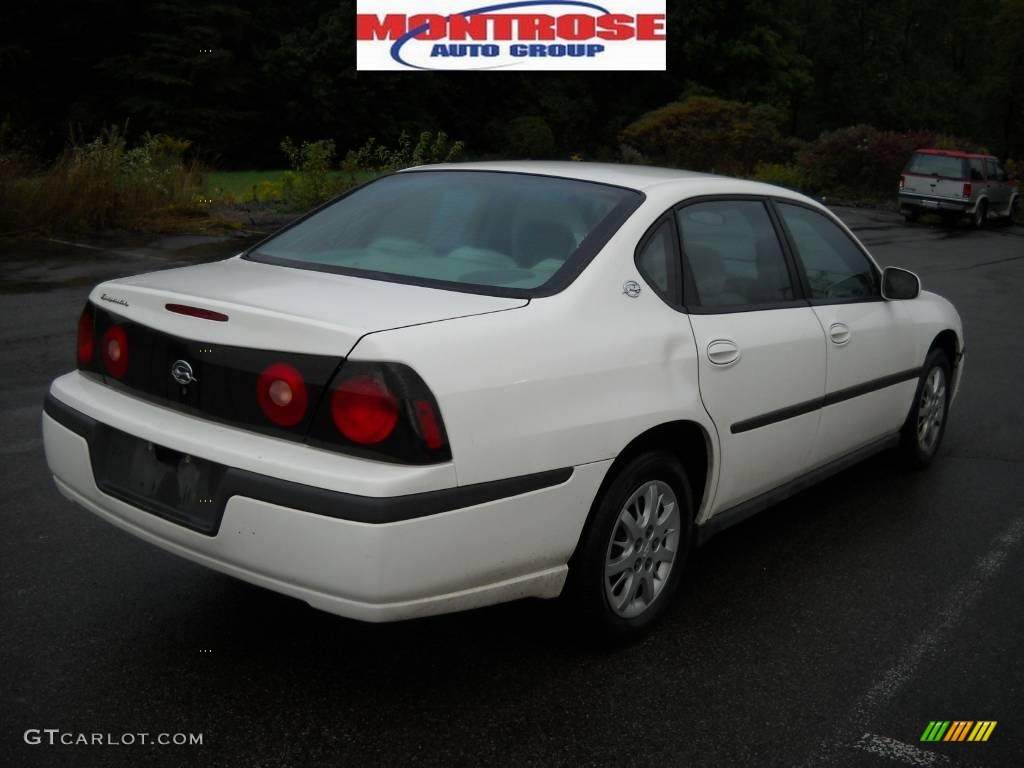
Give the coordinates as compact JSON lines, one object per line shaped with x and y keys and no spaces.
{"x":234,"y":78}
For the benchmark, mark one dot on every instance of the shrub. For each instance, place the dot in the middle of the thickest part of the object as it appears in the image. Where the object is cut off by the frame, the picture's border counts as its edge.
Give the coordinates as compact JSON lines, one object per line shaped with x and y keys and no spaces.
{"x":431,"y":148}
{"x":530,"y":137}
{"x":704,"y":133}
{"x":311,"y":180}
{"x":780,"y":174}
{"x":103,"y":184}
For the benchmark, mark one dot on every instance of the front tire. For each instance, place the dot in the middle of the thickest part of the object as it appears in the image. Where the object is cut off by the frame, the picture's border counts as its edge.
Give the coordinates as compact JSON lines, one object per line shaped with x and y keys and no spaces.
{"x":636,"y":543}
{"x":926,"y":425}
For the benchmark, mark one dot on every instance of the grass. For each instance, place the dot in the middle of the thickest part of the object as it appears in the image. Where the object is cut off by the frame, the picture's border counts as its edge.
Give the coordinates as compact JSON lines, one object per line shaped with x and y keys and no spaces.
{"x":238,"y":186}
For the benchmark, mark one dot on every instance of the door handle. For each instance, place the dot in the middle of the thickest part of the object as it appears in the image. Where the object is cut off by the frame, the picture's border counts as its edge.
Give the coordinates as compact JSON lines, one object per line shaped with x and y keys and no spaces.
{"x":839,"y":333}
{"x":723,"y":352}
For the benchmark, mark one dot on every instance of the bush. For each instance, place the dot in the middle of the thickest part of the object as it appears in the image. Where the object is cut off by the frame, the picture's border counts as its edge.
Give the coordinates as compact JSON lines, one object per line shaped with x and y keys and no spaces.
{"x":311,"y":180}
{"x":530,"y":137}
{"x":103,"y":184}
{"x":858,"y":162}
{"x":704,"y":133}
{"x":430,"y":149}
{"x":780,"y":174}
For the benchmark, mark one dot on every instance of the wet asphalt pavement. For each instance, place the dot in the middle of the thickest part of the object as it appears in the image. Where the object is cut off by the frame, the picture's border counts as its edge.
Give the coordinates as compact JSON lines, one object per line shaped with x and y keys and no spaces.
{"x":827,"y":631}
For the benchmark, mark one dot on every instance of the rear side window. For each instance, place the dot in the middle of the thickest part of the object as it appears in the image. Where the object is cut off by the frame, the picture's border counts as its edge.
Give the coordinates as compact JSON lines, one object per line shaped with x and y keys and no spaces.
{"x":977,"y":171}
{"x":733,"y":254}
{"x":936,"y":165}
{"x":836,"y":268}
{"x":658,"y":263}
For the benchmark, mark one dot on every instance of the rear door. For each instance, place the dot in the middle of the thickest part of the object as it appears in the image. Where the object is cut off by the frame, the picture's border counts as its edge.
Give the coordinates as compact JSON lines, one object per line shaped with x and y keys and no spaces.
{"x":761,"y":348}
{"x":872,"y":370}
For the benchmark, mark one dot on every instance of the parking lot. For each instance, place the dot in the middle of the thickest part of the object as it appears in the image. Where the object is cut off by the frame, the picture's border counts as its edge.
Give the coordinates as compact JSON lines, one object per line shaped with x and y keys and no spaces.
{"x":829,"y":630}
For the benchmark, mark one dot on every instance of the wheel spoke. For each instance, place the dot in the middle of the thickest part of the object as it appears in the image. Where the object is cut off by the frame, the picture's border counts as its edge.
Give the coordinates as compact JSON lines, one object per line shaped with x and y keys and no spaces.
{"x":617,"y":566}
{"x":664,"y":555}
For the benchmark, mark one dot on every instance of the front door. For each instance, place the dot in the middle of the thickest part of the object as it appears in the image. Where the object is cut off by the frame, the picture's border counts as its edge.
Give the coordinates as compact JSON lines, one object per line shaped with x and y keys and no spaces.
{"x":872,"y":370}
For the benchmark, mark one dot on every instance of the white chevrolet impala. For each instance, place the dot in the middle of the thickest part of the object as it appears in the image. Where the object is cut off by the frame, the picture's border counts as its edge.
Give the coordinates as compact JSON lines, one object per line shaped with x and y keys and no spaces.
{"x":465,"y":384}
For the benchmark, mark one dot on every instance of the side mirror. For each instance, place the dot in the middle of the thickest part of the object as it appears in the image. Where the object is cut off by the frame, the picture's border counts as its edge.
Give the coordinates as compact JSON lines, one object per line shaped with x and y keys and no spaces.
{"x":900,"y":284}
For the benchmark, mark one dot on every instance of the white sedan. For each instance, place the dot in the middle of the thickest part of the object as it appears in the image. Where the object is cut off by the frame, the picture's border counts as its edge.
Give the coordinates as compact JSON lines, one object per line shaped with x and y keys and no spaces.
{"x":459,"y":385}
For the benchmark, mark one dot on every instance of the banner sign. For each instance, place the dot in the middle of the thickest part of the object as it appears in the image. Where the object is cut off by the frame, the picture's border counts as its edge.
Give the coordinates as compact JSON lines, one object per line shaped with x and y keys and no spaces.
{"x":510,"y":36}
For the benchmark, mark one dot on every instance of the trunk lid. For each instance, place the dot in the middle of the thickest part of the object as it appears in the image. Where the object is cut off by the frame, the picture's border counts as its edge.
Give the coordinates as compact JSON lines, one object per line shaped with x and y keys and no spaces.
{"x":280,"y":308}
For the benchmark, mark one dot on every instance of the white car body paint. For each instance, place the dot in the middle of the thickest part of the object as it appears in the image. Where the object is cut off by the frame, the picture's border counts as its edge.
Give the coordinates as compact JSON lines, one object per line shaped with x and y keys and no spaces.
{"x":523,"y":386}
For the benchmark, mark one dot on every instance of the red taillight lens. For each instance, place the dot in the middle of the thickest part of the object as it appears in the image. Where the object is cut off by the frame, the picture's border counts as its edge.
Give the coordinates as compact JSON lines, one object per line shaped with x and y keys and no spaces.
{"x":281,"y":391}
{"x":85,"y":340}
{"x":430,"y":426}
{"x":903,"y":181}
{"x":967,"y":190}
{"x":364,"y":410}
{"x":115,"y":351}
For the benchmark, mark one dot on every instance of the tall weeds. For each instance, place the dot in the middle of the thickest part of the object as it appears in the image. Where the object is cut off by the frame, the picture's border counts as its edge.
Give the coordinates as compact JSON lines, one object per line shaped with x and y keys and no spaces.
{"x":101,"y":184}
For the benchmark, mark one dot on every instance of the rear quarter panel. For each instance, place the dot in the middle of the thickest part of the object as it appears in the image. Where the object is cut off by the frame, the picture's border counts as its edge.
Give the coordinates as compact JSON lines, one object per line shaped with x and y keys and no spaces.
{"x":568,"y":380}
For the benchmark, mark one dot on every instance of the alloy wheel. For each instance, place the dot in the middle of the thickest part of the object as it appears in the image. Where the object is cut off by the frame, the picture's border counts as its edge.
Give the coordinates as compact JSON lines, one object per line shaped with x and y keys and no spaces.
{"x":643,"y":549}
{"x":931,"y":411}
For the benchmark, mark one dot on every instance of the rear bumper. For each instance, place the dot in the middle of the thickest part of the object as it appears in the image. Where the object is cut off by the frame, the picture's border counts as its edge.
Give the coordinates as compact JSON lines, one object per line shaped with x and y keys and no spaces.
{"x":937,"y":204}
{"x":406,"y":555}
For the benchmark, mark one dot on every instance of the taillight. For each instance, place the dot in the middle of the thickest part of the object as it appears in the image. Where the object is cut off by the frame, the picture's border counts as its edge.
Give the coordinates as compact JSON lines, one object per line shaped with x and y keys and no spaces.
{"x":85,"y":339}
{"x":282,"y":395}
{"x":903,"y":182}
{"x":429,"y":424}
{"x":382,"y":411}
{"x":968,"y":189}
{"x":115,"y":351}
{"x":364,"y":410}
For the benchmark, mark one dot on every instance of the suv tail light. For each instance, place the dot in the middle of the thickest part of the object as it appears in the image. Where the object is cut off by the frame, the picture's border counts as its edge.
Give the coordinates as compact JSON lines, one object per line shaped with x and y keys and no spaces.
{"x":382,"y":411}
{"x":86,"y":344}
{"x":903,"y":182}
{"x":968,"y":189}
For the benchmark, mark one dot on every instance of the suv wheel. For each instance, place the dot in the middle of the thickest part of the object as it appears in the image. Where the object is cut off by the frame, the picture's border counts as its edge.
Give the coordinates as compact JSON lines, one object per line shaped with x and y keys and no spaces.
{"x":631,"y":557}
{"x":926,"y":425}
{"x":980,"y":214}
{"x":911,"y":214}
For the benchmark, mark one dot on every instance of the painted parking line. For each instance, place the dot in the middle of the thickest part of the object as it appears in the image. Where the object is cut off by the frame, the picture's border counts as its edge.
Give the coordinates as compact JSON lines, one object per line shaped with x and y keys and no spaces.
{"x":926,"y":646}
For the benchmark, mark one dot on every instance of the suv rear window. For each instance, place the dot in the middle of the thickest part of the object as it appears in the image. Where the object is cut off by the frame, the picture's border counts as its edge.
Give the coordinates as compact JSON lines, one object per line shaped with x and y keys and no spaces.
{"x":508,"y":234}
{"x":937,"y":165}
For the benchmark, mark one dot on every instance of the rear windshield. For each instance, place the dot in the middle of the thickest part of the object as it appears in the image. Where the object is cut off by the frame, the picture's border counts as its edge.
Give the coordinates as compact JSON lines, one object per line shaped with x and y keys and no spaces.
{"x":507,"y":234}
{"x":937,"y":165}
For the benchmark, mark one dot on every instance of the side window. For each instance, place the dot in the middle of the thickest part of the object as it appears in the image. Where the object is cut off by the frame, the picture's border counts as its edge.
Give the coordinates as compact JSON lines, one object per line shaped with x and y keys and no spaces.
{"x":836,"y":268}
{"x":658,"y":263}
{"x":734,"y":254}
{"x":976,"y":170}
{"x":990,"y":169}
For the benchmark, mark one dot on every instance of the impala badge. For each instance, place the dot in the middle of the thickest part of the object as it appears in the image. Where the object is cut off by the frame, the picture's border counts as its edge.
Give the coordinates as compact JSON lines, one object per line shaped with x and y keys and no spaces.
{"x":181,"y":372}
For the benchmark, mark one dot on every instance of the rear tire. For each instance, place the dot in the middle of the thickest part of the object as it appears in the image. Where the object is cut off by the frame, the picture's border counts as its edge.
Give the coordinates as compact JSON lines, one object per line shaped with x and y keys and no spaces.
{"x":926,"y":425}
{"x":631,"y":556}
{"x":910,"y":215}
{"x":980,"y":215}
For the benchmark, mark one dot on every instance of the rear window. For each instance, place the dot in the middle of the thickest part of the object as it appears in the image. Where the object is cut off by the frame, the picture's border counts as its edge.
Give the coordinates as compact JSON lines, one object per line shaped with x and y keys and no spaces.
{"x":936,"y":165}
{"x":508,"y":234}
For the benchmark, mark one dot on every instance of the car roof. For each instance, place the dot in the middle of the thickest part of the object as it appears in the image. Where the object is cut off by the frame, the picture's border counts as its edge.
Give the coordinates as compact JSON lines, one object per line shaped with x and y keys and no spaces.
{"x":953,"y":153}
{"x":638,"y":177}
